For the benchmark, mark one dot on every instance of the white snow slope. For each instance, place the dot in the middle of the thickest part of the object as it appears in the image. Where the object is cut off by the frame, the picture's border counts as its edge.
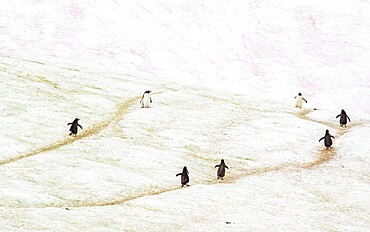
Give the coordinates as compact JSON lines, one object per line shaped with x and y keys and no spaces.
{"x":224,"y":75}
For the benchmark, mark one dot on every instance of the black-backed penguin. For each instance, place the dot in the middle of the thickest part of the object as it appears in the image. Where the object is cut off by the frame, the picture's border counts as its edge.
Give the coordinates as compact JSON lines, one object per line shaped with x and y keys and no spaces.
{"x":74,"y":126}
{"x":343,"y":118}
{"x":327,"y":139}
{"x":221,"y":169}
{"x":184,"y":177}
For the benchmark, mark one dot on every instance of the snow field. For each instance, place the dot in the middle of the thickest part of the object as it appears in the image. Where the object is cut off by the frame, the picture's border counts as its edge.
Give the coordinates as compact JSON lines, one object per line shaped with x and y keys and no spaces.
{"x":225,"y":75}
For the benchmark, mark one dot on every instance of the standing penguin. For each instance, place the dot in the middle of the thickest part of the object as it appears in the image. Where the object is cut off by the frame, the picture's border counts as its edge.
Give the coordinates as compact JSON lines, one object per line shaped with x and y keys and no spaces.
{"x":184,"y":177}
{"x":146,"y":99}
{"x":327,"y":139}
{"x":343,"y":118}
{"x":74,"y":128}
{"x":221,"y":170}
{"x":298,"y":101}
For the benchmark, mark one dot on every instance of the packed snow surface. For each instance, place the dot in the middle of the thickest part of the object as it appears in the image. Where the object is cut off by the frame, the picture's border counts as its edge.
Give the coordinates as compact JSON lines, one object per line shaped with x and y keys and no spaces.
{"x":224,"y":75}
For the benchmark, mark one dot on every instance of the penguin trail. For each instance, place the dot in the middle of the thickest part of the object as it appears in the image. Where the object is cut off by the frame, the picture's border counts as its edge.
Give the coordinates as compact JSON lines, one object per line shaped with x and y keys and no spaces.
{"x":324,"y":155}
{"x":95,"y":129}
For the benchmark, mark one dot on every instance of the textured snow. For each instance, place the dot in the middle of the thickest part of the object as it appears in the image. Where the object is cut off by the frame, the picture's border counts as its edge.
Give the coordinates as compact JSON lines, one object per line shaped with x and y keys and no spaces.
{"x":224,"y":75}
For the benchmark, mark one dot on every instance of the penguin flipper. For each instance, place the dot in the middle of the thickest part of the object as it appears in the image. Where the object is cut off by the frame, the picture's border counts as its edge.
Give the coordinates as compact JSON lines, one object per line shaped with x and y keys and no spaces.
{"x":79,"y":126}
{"x":69,"y":124}
{"x":321,"y":139}
{"x":217,"y":166}
{"x":226,"y":167}
{"x":337,"y":116}
{"x":151,"y":100}
{"x":179,"y":174}
{"x":141,"y":100}
{"x":349,"y":119}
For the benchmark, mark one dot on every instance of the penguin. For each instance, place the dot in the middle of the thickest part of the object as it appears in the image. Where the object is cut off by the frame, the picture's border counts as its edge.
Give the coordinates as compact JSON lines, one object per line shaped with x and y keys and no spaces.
{"x":74,"y":128}
{"x":343,"y":118}
{"x":146,"y":99}
{"x":184,"y":177}
{"x":298,"y":101}
{"x":221,"y":170}
{"x":327,"y":139}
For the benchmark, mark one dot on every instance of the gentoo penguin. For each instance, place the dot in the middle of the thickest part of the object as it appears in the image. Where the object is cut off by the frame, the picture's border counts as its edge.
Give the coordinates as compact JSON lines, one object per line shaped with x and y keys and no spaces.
{"x":221,"y":170}
{"x":74,"y":128}
{"x":184,"y":177}
{"x":343,"y":118}
{"x":328,"y":142}
{"x":298,"y":100}
{"x":146,"y":99}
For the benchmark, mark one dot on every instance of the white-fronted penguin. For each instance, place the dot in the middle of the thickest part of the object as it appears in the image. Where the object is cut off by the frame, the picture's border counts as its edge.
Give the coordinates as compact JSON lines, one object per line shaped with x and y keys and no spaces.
{"x":74,"y":126}
{"x":298,"y":100}
{"x":221,"y":170}
{"x":327,"y":139}
{"x":146,"y":99}
{"x":184,"y":177}
{"x":343,"y":118}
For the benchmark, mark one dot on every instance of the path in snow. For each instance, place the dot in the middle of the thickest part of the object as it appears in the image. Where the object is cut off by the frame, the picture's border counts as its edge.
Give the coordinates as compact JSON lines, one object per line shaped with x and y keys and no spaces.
{"x":324,"y":155}
{"x":121,"y":109}
{"x":95,"y":129}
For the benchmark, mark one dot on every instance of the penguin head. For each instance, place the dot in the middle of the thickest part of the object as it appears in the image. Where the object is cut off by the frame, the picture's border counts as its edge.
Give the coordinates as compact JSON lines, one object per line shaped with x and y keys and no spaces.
{"x":184,"y":169}
{"x":222,"y":161}
{"x":148,"y":91}
{"x":76,"y":119}
{"x":299,"y":94}
{"x":343,"y":112}
{"x":327,"y":132}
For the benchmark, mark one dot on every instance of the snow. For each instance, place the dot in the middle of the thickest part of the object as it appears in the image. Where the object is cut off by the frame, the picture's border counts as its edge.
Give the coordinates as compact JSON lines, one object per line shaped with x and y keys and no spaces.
{"x":223,"y":75}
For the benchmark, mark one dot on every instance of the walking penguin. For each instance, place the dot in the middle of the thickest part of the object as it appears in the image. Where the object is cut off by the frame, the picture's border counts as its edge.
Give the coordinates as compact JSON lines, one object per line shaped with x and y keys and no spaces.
{"x":298,"y":101}
{"x":146,"y":99}
{"x":184,"y":177}
{"x":327,"y":139}
{"x":221,"y":170}
{"x":343,"y":118}
{"x":74,"y":128}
